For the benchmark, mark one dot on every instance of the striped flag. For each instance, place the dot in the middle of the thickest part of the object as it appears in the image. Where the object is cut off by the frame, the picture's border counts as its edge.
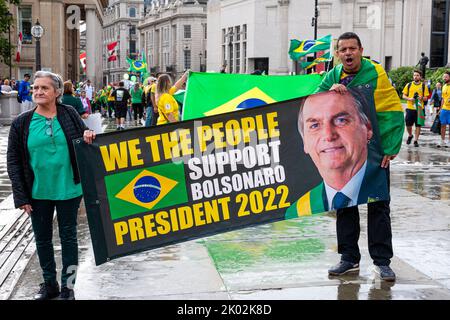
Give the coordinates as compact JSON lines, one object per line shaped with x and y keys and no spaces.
{"x":83,"y":60}
{"x":19,"y":46}
{"x":112,"y":54}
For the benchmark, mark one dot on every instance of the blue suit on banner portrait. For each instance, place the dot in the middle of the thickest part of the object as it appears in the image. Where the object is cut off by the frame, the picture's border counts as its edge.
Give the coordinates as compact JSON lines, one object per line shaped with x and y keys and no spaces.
{"x":370,"y":187}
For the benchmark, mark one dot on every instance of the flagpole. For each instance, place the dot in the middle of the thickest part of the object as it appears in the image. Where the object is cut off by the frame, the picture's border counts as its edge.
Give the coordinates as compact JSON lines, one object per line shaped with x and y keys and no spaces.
{"x":316,"y":15}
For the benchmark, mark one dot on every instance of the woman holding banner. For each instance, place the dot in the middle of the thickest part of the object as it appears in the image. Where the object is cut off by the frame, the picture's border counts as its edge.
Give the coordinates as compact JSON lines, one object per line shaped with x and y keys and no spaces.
{"x":44,"y":175}
{"x":167,"y":105}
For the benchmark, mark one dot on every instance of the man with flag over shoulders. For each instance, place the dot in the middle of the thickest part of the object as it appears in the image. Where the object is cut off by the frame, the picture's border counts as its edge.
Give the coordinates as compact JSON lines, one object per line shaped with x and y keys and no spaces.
{"x":355,"y":70}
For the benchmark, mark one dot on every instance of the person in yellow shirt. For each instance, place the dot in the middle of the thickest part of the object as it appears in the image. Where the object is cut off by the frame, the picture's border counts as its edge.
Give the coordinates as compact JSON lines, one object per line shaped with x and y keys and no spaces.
{"x":166,"y":103}
{"x":444,"y":113}
{"x":412,"y":91}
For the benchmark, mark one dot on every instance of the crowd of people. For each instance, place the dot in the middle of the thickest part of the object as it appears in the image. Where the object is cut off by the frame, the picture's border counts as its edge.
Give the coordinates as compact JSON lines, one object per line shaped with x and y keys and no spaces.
{"x":42,"y":165}
{"x":146,"y":102}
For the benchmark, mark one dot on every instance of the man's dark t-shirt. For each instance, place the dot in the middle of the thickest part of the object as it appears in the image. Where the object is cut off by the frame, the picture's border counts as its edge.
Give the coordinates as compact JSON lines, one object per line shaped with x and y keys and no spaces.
{"x":121,"y":96}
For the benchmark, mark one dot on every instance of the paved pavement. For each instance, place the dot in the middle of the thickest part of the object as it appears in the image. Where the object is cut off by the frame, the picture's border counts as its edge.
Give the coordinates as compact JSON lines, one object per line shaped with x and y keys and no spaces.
{"x":289,"y":259}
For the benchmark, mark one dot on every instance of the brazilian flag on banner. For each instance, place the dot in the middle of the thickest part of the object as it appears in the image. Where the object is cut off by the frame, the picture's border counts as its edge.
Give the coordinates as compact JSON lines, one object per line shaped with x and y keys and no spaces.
{"x":215,"y":93}
{"x":146,"y":189}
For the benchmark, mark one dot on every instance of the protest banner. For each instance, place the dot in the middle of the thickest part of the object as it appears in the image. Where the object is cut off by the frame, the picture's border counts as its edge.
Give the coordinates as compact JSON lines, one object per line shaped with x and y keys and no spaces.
{"x":150,"y":187}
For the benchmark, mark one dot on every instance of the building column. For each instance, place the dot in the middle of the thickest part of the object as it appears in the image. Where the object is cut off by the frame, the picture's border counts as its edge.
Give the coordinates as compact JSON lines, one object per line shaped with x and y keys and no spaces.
{"x":347,"y":15}
{"x":92,"y":49}
{"x":398,"y":34}
{"x":284,"y":40}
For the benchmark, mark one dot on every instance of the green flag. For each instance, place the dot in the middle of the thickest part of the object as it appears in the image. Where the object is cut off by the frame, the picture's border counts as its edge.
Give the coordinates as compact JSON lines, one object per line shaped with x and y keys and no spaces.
{"x":137,"y":65}
{"x":179,"y":96}
{"x":215,"y":93}
{"x":300,"y":48}
{"x":420,"y":113}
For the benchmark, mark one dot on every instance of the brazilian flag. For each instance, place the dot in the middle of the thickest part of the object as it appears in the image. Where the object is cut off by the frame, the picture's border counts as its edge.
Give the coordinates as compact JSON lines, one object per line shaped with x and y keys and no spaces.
{"x":322,"y":59}
{"x":300,"y":48}
{"x":146,"y":189}
{"x":216,"y":93}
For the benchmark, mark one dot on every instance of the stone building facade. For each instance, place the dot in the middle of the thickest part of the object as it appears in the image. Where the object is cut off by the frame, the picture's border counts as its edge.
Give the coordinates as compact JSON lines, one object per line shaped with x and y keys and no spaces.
{"x":254,"y":34}
{"x":173,"y":36}
{"x":60,"y":44}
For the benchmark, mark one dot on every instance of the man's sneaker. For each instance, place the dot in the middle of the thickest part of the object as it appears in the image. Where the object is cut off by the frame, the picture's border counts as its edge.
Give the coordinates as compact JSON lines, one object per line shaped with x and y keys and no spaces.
{"x":385,"y":273}
{"x":67,"y":294}
{"x":416,"y":144}
{"x":47,"y":291}
{"x":343,"y":267}
{"x":442,"y":144}
{"x":409,"y":140}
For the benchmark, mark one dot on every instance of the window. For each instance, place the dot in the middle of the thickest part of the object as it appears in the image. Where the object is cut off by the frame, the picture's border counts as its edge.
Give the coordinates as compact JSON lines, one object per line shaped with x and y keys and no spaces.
{"x":439,"y":33}
{"x":237,"y":49}
{"x":205,"y":28}
{"x":237,"y":31}
{"x":325,"y":14}
{"x":244,"y":32}
{"x":133,"y":30}
{"x":132,"y":12}
{"x":223,"y":55}
{"x":362,"y":15}
{"x":231,"y":59}
{"x":187,"y":31}
{"x":22,"y":71}
{"x":132,"y":47}
{"x":387,"y":63}
{"x":25,"y":23}
{"x":224,"y":40}
{"x":244,"y":57}
{"x":166,"y":34}
{"x":187,"y":59}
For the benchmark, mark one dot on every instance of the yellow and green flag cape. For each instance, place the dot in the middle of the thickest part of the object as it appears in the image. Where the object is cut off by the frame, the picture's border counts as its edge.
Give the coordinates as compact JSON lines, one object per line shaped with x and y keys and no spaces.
{"x":387,"y":103}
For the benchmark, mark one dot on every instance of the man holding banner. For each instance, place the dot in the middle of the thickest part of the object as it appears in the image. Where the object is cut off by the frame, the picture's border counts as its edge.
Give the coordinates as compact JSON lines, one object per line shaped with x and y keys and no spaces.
{"x":352,"y":72}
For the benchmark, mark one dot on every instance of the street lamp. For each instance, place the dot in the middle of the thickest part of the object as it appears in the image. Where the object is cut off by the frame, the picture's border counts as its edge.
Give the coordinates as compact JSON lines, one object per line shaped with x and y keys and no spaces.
{"x":129,"y":42}
{"x":37,"y":31}
{"x":200,"y":56}
{"x":9,"y":17}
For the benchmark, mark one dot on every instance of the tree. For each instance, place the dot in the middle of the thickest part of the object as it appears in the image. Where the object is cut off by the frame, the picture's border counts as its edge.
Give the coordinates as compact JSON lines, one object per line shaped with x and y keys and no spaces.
{"x":5,"y":21}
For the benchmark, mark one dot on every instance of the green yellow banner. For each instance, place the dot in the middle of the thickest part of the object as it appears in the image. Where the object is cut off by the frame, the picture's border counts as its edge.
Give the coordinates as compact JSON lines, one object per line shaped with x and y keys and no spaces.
{"x":208,"y":94}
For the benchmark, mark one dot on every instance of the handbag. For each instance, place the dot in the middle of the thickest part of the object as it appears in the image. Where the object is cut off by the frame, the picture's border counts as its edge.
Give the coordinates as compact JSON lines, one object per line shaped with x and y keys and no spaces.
{"x":436,"y":127}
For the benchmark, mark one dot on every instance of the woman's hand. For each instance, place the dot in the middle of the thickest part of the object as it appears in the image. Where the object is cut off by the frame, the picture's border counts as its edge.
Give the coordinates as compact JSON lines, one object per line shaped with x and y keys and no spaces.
{"x":171,"y":117}
{"x":27,"y":208}
{"x":85,"y":116}
{"x":89,"y":136}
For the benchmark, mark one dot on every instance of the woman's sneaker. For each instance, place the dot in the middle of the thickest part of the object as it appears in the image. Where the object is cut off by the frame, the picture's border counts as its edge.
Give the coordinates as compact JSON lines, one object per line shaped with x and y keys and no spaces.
{"x":47,"y":291}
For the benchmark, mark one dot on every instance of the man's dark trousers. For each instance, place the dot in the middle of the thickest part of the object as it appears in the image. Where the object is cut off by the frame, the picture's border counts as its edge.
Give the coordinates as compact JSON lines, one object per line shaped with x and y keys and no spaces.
{"x":379,"y":232}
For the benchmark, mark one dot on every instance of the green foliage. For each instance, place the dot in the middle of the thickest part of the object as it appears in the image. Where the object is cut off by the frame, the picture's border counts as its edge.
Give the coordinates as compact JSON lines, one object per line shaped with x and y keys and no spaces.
{"x":401,"y":76}
{"x":6,"y":50}
{"x":436,"y":76}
